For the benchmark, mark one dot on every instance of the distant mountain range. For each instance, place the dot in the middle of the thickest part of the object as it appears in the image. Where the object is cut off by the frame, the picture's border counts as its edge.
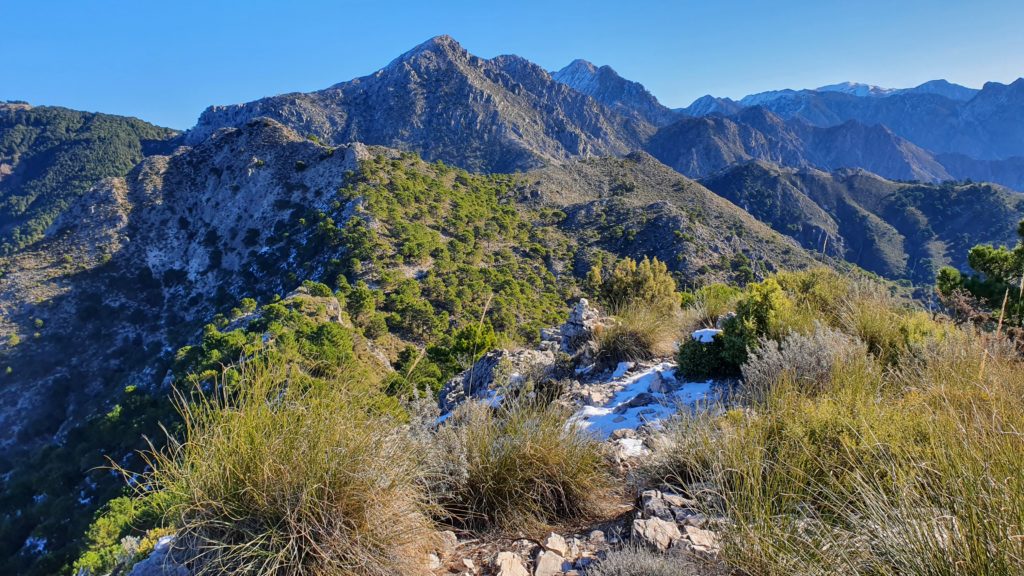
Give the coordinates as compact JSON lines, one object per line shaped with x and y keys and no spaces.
{"x":944,"y":118}
{"x":513,"y":115}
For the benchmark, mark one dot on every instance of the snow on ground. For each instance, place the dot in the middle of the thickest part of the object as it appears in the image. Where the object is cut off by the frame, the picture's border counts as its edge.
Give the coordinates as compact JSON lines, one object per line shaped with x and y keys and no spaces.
{"x":628,"y":409}
{"x":706,"y":335}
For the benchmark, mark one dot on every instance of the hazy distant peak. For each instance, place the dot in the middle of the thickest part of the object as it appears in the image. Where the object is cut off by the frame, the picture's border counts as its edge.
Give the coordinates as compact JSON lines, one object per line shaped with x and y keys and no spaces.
{"x":858,"y":89}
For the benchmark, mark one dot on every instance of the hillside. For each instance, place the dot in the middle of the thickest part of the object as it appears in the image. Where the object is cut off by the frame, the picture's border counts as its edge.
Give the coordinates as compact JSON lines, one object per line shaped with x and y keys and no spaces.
{"x":897,"y":230}
{"x":50,"y":156}
{"x":636,"y":206}
{"x":253,"y":212}
{"x":704,"y":145}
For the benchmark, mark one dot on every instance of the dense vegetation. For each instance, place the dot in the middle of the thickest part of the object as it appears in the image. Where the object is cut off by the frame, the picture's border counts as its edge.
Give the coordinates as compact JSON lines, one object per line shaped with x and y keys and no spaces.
{"x":869,"y":438}
{"x":54,"y":155}
{"x":995,"y":292}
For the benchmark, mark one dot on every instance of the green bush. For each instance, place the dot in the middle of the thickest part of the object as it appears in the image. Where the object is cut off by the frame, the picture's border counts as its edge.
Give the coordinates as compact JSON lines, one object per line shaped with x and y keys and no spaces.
{"x":121,"y":518}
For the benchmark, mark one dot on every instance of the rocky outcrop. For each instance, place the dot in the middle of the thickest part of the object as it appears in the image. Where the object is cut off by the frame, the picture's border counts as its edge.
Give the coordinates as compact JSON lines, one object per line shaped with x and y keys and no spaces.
{"x":497,"y":373}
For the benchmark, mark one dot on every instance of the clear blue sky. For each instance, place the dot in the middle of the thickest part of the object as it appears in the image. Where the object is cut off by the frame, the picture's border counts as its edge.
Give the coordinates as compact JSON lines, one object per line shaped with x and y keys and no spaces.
{"x":166,"y":61}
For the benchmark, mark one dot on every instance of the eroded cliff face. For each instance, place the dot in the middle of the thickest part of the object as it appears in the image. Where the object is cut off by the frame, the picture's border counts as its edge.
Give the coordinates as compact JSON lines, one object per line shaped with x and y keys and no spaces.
{"x":132,"y":270}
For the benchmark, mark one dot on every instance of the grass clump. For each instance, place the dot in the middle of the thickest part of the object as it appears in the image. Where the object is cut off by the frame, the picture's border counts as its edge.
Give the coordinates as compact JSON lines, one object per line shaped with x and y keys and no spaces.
{"x":640,"y":332}
{"x":521,"y":466}
{"x":288,"y":475}
{"x":876,"y":469}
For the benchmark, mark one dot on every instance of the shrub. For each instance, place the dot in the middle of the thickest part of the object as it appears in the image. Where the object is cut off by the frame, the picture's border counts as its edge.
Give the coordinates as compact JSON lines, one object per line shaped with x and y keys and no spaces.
{"x":702,"y":360}
{"x":713,"y":301}
{"x":807,"y":361}
{"x":518,"y":467}
{"x":289,"y":476}
{"x":640,"y":332}
{"x":637,"y":561}
{"x":630,"y":283}
{"x":760,"y":312}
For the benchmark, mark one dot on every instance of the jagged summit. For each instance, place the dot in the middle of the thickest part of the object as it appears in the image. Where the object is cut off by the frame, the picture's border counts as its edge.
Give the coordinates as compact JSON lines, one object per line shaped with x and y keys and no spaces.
{"x":606,"y":86}
{"x":857,"y":89}
{"x":443,"y":47}
{"x":498,"y":115}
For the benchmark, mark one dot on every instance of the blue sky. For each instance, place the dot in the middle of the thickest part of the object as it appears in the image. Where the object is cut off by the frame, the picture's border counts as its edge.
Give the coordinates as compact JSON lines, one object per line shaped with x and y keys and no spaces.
{"x":166,"y":61}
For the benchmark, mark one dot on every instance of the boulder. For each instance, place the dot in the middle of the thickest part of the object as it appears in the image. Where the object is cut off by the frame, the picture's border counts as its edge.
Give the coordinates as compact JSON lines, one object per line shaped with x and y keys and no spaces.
{"x":549,"y":564}
{"x":656,"y":533}
{"x":509,"y":564}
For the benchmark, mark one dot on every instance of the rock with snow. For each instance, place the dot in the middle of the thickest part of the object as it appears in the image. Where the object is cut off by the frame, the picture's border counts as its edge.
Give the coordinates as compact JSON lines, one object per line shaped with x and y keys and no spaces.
{"x":706,"y":335}
{"x":160,"y":561}
{"x":633,"y":401}
{"x":492,"y":373}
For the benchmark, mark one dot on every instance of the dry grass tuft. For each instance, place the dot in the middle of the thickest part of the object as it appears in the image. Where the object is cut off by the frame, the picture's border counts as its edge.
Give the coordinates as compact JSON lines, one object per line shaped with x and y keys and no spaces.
{"x":286,"y":476}
{"x":519,"y":467}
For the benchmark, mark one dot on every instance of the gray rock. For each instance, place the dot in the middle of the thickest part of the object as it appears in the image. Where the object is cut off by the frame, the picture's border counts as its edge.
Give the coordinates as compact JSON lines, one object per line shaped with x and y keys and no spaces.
{"x":656,"y":533}
{"x":160,"y":561}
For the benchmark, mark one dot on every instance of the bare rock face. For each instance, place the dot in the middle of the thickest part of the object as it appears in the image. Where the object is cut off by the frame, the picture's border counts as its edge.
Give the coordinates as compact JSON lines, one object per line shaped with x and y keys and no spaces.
{"x":439,"y":100}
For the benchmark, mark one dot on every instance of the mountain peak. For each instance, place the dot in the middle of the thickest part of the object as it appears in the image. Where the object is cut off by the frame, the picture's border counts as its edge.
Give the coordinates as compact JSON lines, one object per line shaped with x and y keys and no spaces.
{"x":581,"y":75}
{"x":606,"y":86}
{"x":443,"y":46}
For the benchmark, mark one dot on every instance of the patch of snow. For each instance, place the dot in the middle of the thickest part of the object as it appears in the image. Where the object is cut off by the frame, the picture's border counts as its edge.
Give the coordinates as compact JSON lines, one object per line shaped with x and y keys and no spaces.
{"x":621,"y":369}
{"x":619,"y":411}
{"x":706,"y":335}
{"x":632,"y":447}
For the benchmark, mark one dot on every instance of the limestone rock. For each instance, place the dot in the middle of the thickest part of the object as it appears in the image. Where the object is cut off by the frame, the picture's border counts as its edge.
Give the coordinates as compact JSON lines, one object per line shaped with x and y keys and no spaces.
{"x":702,"y":540}
{"x":656,"y":533}
{"x":509,"y":564}
{"x":496,"y":369}
{"x":556,"y":543}
{"x":160,"y":561}
{"x":549,"y":564}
